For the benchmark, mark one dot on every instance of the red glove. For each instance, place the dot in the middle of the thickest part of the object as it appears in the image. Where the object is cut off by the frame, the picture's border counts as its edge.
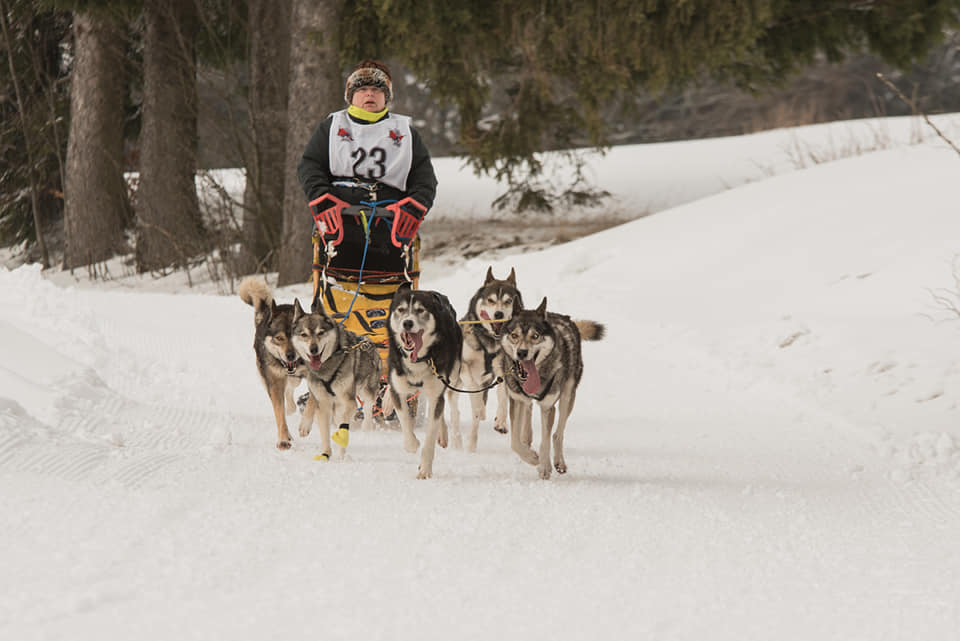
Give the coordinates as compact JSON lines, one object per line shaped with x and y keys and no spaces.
{"x":328,"y":218}
{"x":407,"y":216}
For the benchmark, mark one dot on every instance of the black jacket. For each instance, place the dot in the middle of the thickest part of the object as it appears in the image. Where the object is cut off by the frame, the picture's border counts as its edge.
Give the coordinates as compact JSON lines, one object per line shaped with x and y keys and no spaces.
{"x":316,"y":179}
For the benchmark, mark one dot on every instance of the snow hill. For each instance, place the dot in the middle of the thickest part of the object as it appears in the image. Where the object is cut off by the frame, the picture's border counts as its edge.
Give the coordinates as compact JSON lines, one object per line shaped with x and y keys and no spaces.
{"x":765,"y":446}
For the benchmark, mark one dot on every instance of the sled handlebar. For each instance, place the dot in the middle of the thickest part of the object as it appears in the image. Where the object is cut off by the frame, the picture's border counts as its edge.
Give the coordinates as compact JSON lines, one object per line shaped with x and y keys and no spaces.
{"x":407,"y":216}
{"x":329,"y":218}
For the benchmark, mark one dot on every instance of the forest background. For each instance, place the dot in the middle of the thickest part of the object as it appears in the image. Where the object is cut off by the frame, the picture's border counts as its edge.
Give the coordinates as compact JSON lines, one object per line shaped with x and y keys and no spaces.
{"x":114,"y":110}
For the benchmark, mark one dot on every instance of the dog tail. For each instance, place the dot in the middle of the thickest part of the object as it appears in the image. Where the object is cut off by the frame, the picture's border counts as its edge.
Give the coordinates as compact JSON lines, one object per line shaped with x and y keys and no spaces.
{"x":591,"y":330}
{"x":254,"y":291}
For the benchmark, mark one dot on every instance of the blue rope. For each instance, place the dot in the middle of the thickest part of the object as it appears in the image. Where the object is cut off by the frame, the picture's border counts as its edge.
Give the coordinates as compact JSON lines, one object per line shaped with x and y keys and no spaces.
{"x":366,"y":244}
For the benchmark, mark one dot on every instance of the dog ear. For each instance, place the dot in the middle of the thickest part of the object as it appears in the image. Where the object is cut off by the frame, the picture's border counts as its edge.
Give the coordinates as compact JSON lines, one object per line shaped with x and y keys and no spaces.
{"x":297,"y":310}
{"x":542,"y":310}
{"x":316,"y":305}
{"x":517,"y":303}
{"x":404,"y":289}
{"x":264,"y":311}
{"x":512,"y":278}
{"x":489,"y":276}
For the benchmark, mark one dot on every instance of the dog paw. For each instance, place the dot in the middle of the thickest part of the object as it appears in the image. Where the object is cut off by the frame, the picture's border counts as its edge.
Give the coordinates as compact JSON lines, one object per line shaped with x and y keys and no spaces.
{"x":424,"y":473}
{"x":456,"y":440}
{"x":305,"y":430}
{"x":560,"y":466}
{"x":499,"y":426}
{"x":472,"y":444}
{"x":545,"y":471}
{"x":284,"y":445}
{"x":528,"y":456}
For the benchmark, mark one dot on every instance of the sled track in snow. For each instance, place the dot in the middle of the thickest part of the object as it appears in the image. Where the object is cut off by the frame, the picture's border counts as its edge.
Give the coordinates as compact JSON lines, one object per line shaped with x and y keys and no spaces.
{"x":106,"y":438}
{"x":937,"y":505}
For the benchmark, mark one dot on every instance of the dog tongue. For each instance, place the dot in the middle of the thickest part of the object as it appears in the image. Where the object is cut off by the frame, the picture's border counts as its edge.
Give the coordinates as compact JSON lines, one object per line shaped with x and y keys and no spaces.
{"x":532,"y":383}
{"x":417,"y":340}
{"x":316,"y":361}
{"x":495,"y":326}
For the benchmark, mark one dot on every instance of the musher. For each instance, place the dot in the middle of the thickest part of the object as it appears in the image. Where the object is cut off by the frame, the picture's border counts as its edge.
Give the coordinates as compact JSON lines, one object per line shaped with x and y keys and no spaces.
{"x":365,"y":154}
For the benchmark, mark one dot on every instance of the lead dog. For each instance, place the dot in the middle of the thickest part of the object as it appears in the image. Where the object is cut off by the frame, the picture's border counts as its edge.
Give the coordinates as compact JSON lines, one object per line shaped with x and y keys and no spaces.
{"x":280,"y":369}
{"x":493,"y":304}
{"x":425,"y":343}
{"x":340,"y":367}
{"x":542,"y":360}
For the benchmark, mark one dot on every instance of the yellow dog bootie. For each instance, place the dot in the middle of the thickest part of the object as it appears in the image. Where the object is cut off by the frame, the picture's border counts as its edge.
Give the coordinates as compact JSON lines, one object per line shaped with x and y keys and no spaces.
{"x":342,"y":436}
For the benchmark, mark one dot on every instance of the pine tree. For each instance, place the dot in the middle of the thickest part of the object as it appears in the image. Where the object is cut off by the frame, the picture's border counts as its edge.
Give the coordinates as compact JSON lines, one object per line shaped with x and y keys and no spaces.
{"x":96,"y":208}
{"x":316,"y":89}
{"x":169,"y":228}
{"x":560,"y":64}
{"x":33,"y":105}
{"x":269,"y":66}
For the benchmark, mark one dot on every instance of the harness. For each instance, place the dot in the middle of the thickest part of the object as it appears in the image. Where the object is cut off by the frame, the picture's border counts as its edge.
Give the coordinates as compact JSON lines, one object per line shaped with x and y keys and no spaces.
{"x":341,"y":355}
{"x":480,"y":335}
{"x":447,"y":308}
{"x":446,"y":381}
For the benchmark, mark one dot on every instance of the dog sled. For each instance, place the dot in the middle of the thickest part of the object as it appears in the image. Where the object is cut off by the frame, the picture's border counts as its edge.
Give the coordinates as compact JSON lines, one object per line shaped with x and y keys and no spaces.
{"x":359,"y":296}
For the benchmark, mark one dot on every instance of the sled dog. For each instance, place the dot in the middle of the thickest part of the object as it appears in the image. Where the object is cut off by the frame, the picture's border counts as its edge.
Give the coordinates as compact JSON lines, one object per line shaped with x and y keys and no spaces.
{"x":542,"y":360}
{"x":496,"y":301}
{"x":280,"y":369}
{"x":340,"y":367}
{"x":424,"y":345}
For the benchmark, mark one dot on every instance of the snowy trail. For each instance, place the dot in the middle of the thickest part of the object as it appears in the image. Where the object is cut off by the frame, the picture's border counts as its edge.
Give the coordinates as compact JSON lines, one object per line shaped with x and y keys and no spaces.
{"x":707,"y":532}
{"x":765,"y":446}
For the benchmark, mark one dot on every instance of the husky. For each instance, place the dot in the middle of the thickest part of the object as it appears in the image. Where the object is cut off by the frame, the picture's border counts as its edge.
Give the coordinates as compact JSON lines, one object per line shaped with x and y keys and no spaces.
{"x":424,"y":353}
{"x":280,"y":369}
{"x":542,"y":360}
{"x":340,"y":367}
{"x":496,"y":301}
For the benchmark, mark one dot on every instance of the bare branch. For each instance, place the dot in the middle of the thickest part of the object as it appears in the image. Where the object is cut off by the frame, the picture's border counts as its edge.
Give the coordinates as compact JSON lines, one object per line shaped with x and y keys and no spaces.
{"x":913,"y":106}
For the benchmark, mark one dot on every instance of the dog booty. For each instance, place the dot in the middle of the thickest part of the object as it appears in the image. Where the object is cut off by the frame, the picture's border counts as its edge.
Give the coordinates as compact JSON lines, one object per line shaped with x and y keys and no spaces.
{"x":322,"y":456}
{"x":342,"y":436}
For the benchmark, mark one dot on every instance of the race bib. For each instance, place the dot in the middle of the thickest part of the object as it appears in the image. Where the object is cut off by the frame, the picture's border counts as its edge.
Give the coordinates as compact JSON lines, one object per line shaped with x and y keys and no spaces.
{"x":380,"y":151}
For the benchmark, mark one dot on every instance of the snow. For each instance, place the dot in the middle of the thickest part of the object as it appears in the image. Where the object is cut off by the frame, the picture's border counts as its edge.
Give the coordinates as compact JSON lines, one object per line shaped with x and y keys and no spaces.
{"x":765,"y":446}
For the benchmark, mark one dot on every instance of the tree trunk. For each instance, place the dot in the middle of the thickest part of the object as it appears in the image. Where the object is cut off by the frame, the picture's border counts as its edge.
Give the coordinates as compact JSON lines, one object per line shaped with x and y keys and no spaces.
{"x":269,"y":64}
{"x":316,"y":89}
{"x":169,"y":228}
{"x":96,"y":209}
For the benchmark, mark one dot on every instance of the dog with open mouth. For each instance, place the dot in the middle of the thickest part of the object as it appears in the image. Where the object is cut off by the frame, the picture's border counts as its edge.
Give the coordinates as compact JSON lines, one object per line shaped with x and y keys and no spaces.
{"x":492,"y":305}
{"x":425,"y":343}
{"x":281,"y":370}
{"x":543,"y":363}
{"x":340,"y":367}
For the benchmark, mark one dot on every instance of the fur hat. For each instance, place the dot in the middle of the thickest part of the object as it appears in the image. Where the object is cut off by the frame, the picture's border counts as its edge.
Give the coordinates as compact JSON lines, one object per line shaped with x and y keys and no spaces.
{"x":369,"y":73}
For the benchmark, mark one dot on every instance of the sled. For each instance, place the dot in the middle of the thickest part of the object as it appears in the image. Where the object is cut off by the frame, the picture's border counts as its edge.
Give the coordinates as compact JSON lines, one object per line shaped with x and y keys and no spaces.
{"x":359,"y":294}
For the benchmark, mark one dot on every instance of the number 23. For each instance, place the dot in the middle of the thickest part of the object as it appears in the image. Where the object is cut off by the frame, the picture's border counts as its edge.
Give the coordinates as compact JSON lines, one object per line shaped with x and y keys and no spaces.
{"x":376,"y":168}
